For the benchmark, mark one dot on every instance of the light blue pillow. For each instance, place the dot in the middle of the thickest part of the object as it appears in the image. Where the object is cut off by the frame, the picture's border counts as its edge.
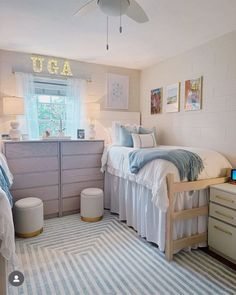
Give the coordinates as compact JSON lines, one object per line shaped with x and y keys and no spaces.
{"x":126,"y":136}
{"x":146,"y":130}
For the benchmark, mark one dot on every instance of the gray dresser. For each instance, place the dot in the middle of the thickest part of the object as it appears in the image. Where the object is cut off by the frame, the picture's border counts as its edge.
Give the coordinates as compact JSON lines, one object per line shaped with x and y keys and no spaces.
{"x":55,"y":171}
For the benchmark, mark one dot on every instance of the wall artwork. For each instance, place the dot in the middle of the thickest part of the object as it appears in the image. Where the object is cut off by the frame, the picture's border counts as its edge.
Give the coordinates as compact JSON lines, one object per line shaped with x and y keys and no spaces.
{"x":117,"y":92}
{"x":172,"y":98}
{"x":156,"y":101}
{"x":193,"y":94}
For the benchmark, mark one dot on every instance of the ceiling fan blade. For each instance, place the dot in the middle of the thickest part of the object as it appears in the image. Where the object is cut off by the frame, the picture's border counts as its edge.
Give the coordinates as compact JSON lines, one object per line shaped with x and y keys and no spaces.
{"x":86,"y":8}
{"x":136,"y":12}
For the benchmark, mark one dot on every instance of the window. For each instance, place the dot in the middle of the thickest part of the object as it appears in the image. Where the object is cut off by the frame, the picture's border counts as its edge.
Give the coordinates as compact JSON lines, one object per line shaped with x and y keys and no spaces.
{"x":51,"y":113}
{"x":50,"y":101}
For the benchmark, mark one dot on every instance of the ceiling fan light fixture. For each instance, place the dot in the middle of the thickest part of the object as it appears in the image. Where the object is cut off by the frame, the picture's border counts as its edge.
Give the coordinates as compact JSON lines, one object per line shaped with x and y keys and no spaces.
{"x":114,"y":7}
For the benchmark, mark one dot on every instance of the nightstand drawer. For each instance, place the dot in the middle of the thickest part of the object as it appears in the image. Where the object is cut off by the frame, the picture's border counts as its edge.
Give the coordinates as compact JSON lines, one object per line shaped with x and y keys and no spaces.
{"x":222,"y":237}
{"x":223,"y":198}
{"x":222,"y":213}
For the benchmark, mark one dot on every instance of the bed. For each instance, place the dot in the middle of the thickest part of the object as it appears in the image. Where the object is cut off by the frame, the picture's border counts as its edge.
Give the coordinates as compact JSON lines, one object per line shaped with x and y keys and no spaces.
{"x":7,"y":232}
{"x":160,"y":207}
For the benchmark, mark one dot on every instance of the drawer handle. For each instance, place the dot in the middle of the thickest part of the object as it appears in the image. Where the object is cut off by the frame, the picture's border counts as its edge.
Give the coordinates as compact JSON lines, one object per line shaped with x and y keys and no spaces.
{"x":225,"y":199}
{"x":223,"y":230}
{"x":224,"y":215}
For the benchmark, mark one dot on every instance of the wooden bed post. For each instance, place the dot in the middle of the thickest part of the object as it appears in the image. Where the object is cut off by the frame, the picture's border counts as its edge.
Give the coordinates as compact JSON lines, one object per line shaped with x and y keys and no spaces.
{"x":170,"y":220}
{"x":179,"y":187}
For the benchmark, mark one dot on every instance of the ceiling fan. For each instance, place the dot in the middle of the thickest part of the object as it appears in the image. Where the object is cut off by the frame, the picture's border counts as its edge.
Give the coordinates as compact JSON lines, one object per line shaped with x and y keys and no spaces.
{"x":131,"y":8}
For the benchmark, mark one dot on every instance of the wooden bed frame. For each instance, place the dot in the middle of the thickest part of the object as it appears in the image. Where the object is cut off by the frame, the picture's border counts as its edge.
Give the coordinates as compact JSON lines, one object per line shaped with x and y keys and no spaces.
{"x":176,"y":187}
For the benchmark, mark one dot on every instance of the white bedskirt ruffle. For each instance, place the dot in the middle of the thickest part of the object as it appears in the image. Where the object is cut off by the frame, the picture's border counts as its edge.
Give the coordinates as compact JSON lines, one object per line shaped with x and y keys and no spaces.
{"x":133,"y":203}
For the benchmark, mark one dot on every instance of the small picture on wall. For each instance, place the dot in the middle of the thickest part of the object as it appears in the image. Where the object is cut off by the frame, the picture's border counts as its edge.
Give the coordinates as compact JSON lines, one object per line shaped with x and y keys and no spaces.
{"x":172,"y":98}
{"x":156,"y":101}
{"x":193,"y":94}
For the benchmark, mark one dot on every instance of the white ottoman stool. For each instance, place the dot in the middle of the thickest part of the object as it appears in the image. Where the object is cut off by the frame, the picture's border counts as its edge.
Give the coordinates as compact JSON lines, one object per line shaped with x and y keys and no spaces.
{"x":28,"y":217}
{"x":91,"y":204}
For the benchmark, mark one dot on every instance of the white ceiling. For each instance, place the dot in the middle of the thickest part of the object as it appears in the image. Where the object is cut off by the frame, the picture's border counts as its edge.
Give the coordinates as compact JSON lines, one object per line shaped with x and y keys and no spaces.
{"x":48,"y":27}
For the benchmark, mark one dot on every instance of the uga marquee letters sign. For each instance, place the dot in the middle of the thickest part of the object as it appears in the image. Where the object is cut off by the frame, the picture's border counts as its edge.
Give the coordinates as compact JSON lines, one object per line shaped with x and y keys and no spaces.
{"x":53,"y":66}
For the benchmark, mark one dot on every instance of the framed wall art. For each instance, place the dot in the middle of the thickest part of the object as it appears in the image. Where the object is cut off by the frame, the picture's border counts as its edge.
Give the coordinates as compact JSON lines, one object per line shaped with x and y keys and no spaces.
{"x":193,"y":94}
{"x":172,"y":98}
{"x":156,"y":101}
{"x":117,"y":92}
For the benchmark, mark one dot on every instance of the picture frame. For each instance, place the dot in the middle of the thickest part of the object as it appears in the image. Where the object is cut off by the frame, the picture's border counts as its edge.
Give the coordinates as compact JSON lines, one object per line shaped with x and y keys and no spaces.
{"x":80,"y":134}
{"x":193,"y":94}
{"x":156,"y":101}
{"x":117,"y":92}
{"x":172,"y":102}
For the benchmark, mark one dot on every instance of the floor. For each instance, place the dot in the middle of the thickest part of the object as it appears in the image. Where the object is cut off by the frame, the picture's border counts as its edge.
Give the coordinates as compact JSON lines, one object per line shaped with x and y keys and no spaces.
{"x":107,"y":257}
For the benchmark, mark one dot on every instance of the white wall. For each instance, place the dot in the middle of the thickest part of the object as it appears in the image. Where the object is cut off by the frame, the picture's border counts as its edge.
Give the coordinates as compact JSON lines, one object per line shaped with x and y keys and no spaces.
{"x":212,"y":127}
{"x":96,"y":89}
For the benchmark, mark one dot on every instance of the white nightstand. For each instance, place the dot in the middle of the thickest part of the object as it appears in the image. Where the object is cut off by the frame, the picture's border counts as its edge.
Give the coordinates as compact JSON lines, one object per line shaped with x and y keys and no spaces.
{"x":222,"y":220}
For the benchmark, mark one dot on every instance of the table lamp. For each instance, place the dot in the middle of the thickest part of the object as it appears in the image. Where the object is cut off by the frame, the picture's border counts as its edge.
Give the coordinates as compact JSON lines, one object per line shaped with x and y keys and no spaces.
{"x":13,"y":106}
{"x":93,"y":113}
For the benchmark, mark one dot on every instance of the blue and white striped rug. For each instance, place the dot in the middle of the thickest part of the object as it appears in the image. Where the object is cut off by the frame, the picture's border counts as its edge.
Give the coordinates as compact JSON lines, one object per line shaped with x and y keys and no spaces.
{"x":107,"y":257}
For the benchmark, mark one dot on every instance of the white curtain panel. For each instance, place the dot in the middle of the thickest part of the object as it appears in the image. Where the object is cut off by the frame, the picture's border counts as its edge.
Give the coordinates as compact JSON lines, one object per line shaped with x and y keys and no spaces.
{"x":26,"y":89}
{"x":75,"y":102}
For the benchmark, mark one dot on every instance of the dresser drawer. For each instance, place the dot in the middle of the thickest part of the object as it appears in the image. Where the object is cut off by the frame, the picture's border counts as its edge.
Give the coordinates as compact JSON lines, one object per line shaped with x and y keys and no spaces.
{"x":82,"y":147}
{"x":30,"y":149}
{"x":81,"y":161}
{"x":28,"y":165}
{"x":223,"y":198}
{"x":45,"y":193}
{"x":222,"y":237}
{"x":74,"y":189}
{"x":79,"y":175}
{"x":33,"y":180}
{"x":223,"y":213}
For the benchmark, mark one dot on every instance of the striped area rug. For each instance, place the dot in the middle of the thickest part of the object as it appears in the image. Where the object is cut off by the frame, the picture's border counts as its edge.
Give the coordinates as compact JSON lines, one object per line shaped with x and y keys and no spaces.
{"x":73,"y":257}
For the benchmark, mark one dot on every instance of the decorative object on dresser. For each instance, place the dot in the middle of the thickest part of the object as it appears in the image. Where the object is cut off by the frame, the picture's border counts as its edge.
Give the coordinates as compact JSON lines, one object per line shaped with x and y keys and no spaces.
{"x":222,"y":221}
{"x":80,"y":134}
{"x":55,"y":171}
{"x":13,"y":106}
{"x":93,"y":113}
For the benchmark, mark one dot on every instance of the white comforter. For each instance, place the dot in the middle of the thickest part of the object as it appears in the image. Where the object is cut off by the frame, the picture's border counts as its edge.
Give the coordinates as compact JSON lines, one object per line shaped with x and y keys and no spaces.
{"x":7,"y":232}
{"x":153,"y":175}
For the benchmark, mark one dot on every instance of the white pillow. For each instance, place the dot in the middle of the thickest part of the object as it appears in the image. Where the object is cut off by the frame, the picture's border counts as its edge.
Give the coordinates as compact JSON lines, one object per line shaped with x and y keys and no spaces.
{"x":144,"y":140}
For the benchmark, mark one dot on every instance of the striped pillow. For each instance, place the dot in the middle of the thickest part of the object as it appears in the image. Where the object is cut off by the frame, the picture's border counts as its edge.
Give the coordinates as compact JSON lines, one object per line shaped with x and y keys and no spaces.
{"x":144,"y":140}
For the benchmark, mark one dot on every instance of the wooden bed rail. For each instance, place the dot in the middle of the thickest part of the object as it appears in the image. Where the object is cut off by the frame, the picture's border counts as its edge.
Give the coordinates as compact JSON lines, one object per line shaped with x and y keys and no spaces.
{"x":171,"y":216}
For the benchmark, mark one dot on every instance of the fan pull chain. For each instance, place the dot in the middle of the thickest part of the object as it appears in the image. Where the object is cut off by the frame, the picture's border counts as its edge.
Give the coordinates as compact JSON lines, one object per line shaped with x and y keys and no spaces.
{"x":107,"y":33}
{"x":121,"y":29}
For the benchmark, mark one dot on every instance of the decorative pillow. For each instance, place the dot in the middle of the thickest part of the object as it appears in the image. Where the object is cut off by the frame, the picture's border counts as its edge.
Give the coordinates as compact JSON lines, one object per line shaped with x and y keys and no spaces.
{"x":144,"y":140}
{"x":143,"y":130}
{"x":126,"y":136}
{"x":116,"y":126}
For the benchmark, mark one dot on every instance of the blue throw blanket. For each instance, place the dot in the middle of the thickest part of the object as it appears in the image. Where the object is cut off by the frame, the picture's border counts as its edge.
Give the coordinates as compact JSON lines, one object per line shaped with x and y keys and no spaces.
{"x":5,"y":185}
{"x":189,"y":164}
